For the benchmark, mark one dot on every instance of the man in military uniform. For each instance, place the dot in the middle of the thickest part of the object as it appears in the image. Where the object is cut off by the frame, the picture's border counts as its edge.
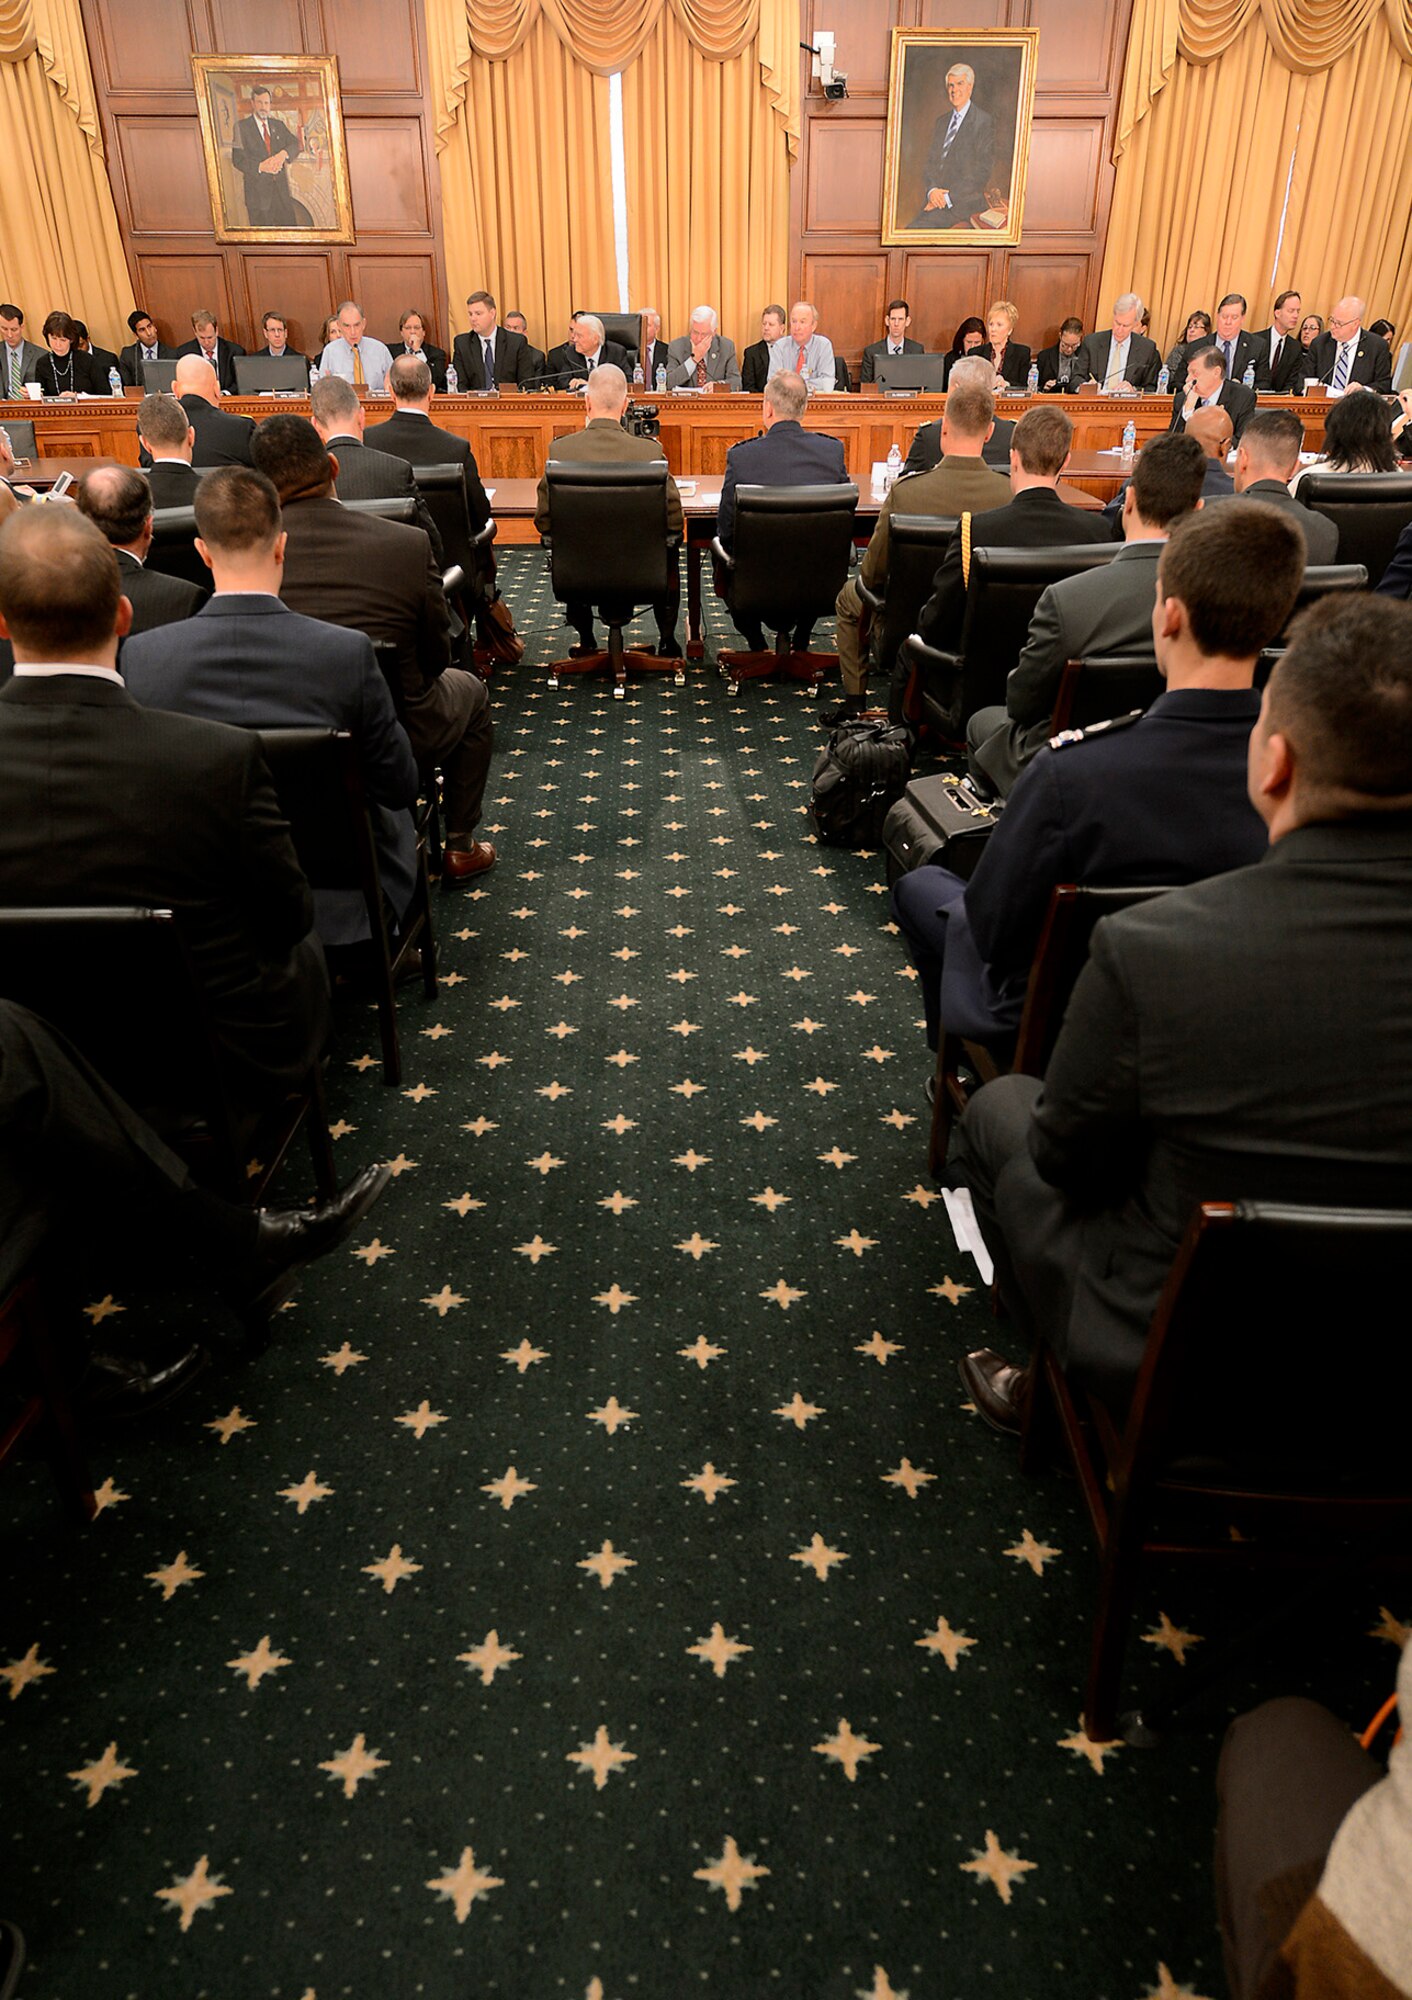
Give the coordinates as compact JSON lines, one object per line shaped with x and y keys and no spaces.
{"x":1158,"y":797}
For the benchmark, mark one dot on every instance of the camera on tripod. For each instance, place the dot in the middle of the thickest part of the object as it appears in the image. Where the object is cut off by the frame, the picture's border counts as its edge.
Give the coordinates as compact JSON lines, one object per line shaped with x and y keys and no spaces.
{"x":640,"y":420}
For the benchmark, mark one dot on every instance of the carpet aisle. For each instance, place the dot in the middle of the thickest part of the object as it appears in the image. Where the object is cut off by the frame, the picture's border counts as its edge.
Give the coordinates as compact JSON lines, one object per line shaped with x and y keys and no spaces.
{"x":600,"y":1588}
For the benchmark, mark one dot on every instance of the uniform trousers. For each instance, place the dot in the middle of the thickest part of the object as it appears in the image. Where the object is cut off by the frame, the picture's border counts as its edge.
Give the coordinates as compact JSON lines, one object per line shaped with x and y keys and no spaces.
{"x":449,"y":725}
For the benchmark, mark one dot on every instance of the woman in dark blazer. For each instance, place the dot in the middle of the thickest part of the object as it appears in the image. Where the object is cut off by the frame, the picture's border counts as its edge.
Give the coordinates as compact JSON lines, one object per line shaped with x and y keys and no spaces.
{"x":1010,"y":358}
{"x":66,"y":370}
{"x":412,"y":327}
{"x":969,"y":339}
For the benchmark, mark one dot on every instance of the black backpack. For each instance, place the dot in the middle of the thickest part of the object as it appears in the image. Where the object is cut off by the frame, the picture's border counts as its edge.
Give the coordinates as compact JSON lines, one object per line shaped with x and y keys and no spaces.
{"x":863,"y":768}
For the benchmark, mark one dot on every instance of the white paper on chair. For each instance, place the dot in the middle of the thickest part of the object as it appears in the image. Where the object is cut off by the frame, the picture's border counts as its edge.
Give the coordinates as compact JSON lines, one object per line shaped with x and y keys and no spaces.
{"x":967,"y":1230}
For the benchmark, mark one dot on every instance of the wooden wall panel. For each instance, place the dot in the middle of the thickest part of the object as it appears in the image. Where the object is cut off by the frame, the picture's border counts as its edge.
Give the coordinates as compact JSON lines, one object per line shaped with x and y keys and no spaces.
{"x":141,"y":56}
{"x":836,"y":206}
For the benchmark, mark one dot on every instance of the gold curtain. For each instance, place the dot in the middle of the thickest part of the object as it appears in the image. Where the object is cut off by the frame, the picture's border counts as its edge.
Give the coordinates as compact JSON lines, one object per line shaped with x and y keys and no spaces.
{"x":1217,"y":96}
{"x":711,"y":117}
{"x":59,"y":239}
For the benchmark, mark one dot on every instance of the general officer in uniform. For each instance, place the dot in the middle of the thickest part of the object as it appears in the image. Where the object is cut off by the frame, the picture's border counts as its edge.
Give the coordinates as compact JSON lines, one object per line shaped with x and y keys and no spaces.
{"x":1154,"y":797}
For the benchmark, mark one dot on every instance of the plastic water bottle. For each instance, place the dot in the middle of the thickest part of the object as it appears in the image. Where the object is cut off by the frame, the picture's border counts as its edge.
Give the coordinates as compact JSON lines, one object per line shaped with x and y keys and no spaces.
{"x":313,"y":375}
{"x":115,"y":382}
{"x":451,"y":383}
{"x":894,"y":465}
{"x":1129,"y":441}
{"x":637,"y":375}
{"x":1248,"y":378}
{"x":660,"y":385}
{"x":1164,"y":380}
{"x":1032,"y":380}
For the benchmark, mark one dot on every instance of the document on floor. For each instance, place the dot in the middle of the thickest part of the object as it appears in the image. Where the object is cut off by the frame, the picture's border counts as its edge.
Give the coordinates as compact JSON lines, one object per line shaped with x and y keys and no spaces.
{"x":967,"y":1230}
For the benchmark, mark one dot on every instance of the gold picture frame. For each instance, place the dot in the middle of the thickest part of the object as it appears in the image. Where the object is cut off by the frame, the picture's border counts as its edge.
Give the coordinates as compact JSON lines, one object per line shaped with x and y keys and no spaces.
{"x":304,"y":198}
{"x":972,"y":178}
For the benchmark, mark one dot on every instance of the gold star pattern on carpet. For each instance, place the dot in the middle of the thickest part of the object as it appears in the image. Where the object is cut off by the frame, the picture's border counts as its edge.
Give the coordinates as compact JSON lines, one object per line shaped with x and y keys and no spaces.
{"x":256,"y":1665}
{"x":25,"y":1672}
{"x":602,"y":1757}
{"x":174,"y":1575}
{"x":353,"y":1765}
{"x":909,"y":1477}
{"x":1167,"y":1988}
{"x":465,"y":1884}
{"x":303,"y":1496}
{"x":732,"y":1873}
{"x":1035,"y":1554}
{"x":105,"y":1772}
{"x":1083,"y":1745}
{"x":819,"y":1557}
{"x":194,"y":1892}
{"x":998,"y":1866}
{"x":708,"y":1483}
{"x":612,"y":1416}
{"x":422,"y":1419}
{"x":524,"y":1356}
{"x":342,"y":1359}
{"x":392,"y":1568}
{"x":231,"y":1424}
{"x":508,"y":1488}
{"x":607,"y":1565}
{"x":881,"y":1350}
{"x":1170,"y":1638}
{"x":951,"y":1645}
{"x":702,"y":1351}
{"x":489,"y":1657}
{"x":847,"y":1749}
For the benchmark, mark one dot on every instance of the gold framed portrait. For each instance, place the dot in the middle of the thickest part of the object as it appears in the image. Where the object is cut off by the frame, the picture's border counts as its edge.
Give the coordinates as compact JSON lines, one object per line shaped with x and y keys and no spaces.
{"x":959,"y":108}
{"x":272,"y":134}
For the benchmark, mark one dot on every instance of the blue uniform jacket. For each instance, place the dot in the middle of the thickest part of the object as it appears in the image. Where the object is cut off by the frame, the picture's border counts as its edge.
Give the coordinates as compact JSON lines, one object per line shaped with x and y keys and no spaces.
{"x":786,"y":455}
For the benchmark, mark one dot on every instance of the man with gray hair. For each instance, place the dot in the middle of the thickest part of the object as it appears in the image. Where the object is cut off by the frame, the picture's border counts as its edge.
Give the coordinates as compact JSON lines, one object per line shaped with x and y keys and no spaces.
{"x":1348,"y":354}
{"x":118,"y":501}
{"x":653,"y":352}
{"x":587,"y":347}
{"x":364,"y":471}
{"x":804,"y":351}
{"x":603,"y":441}
{"x":702,"y":354}
{"x":1121,"y":360}
{"x":355,"y":355}
{"x":960,"y":159}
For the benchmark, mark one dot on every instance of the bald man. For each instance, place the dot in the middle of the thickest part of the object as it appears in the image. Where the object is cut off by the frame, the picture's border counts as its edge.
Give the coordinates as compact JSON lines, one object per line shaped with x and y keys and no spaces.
{"x":118,"y":501}
{"x":222,"y":437}
{"x":1348,"y":354}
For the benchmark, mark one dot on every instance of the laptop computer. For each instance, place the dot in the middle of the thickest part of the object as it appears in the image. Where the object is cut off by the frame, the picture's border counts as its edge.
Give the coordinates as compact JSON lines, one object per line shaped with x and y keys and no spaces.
{"x":158,"y":375}
{"x":911,"y":371}
{"x":259,"y":374}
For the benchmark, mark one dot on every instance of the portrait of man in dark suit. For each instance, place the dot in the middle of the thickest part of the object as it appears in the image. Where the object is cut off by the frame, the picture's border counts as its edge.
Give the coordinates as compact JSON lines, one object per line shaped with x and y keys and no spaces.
{"x":272,"y":135}
{"x":263,"y":152}
{"x":957,"y":136}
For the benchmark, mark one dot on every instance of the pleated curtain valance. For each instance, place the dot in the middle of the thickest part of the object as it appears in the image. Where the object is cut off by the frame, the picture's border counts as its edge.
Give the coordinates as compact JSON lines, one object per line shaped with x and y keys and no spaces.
{"x":608,"y":35}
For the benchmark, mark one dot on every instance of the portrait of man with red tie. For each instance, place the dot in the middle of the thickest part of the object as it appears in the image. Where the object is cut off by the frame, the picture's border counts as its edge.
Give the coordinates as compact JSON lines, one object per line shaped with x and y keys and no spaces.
{"x":273,"y":139}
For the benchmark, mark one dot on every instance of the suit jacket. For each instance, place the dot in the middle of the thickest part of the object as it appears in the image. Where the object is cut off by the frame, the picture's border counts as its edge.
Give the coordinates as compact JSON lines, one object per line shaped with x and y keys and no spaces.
{"x":1286,"y":378}
{"x":1397,"y":577}
{"x":106,"y":360}
{"x":269,"y":202}
{"x":567,"y":364}
{"x":55,"y":378}
{"x":784,"y":455}
{"x":1106,"y":610}
{"x":1372,"y":361}
{"x":173,"y":484}
{"x":604,"y":442}
{"x":755,"y":367}
{"x":876,"y":351}
{"x":130,"y":361}
{"x":1216,"y":484}
{"x":963,"y":172}
{"x":1319,"y":532}
{"x":224,"y":363}
{"x":1247,"y":354}
{"x":653,"y":357}
{"x":1014,"y":363}
{"x":1049,"y":361}
{"x":1034,"y":519}
{"x":512,"y":360}
{"x":536,"y":365}
{"x":1139,"y":1120}
{"x":155,"y":599}
{"x":29,"y":356}
{"x":251,"y":661}
{"x":367,"y":473}
{"x":410,"y":435}
{"x":721,"y":364}
{"x":434,"y":357}
{"x":1235,"y":399}
{"x":110,"y":803}
{"x":1143,"y":365}
{"x":222,"y":436}
{"x":925,"y":449}
{"x":954,"y":486}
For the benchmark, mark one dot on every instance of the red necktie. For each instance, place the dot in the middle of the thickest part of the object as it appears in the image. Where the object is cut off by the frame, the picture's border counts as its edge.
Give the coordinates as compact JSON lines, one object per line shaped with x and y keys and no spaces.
{"x":701,"y":374}
{"x":803,"y":364}
{"x":266,"y":132}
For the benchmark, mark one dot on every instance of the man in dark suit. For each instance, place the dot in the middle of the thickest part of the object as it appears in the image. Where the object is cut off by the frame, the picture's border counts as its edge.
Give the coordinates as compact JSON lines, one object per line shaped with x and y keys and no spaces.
{"x":1279,"y":357}
{"x":147,"y":345}
{"x":222,"y":437}
{"x":960,"y":159}
{"x":262,"y":154}
{"x":1241,"y":351}
{"x":603,"y":441}
{"x":413,"y":328}
{"x":1206,"y":385}
{"x":167,"y":440}
{"x":1210,"y":428}
{"x":118,"y":501}
{"x":1267,"y":460}
{"x":509,"y":355}
{"x":784,"y":455}
{"x":1034,"y":518}
{"x":211,"y":345}
{"x":703,"y":351}
{"x":894,"y":343}
{"x":110,"y":803}
{"x":1100,"y":611}
{"x":103,"y":358}
{"x":755,"y":361}
{"x":654,"y":353}
{"x":515,"y":322}
{"x":275,"y":328}
{"x":410,"y":434}
{"x":587,"y":347}
{"x":18,"y":357}
{"x":365,"y":472}
{"x":1295,"y":969}
{"x":252,"y":661}
{"x":925,"y":449}
{"x":380,"y":578}
{"x":1348,"y":352}
{"x":1123,"y":354}
{"x":1063,"y":368}
{"x":1397,"y":577}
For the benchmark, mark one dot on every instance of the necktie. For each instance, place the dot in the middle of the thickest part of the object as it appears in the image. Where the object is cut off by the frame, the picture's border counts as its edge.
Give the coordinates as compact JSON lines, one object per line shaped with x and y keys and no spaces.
{"x":1342,"y":365}
{"x":952,"y":129}
{"x":1275,"y":357}
{"x":265,"y":135}
{"x":489,"y":354}
{"x":13,"y":363}
{"x":803,"y":362}
{"x":360,"y":380}
{"x":894,"y":350}
{"x":701,"y":372}
{"x":1115,"y":366}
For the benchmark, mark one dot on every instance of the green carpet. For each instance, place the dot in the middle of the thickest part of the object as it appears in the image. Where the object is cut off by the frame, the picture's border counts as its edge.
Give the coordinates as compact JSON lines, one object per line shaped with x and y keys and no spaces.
{"x":601,"y":1588}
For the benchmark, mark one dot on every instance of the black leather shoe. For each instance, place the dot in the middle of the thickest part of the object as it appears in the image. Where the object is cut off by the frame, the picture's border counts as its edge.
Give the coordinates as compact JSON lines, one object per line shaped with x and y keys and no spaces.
{"x":118,"y":1386}
{"x":999,"y":1390}
{"x":842,"y":711}
{"x":288,"y":1238}
{"x":667,"y":649}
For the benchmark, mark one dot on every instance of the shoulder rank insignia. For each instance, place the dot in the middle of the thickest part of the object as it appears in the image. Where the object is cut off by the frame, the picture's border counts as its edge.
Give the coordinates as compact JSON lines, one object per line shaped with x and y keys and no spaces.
{"x":1095,"y":729}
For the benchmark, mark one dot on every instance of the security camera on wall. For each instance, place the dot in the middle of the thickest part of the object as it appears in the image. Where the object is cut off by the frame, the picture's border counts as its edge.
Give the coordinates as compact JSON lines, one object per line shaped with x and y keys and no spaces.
{"x":832,"y":81}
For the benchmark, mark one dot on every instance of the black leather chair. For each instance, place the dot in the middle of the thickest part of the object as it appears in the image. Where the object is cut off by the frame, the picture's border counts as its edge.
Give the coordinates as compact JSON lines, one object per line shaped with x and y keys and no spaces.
{"x":120,"y":985}
{"x":943,"y":688}
{"x":1311,"y":1470}
{"x":625,"y":330}
{"x":917,"y":544}
{"x":173,"y":549}
{"x":403,"y":509}
{"x":609,"y":546}
{"x":1323,"y":579}
{"x":792,"y":548}
{"x":841,"y":377}
{"x":1096,"y":690}
{"x":443,"y":487}
{"x":1369,"y":509}
{"x":20,"y":431}
{"x":320,"y":789}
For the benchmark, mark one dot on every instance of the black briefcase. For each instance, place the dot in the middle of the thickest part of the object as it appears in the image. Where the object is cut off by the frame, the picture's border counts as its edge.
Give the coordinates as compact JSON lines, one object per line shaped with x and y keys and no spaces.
{"x":937,"y":819}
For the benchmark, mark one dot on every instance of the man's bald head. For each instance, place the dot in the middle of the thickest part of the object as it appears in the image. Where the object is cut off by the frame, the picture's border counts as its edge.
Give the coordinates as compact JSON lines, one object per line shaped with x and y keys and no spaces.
{"x":1212,"y":429}
{"x":607,"y":392}
{"x":196,"y":377}
{"x":60,"y":596}
{"x":118,"y":501}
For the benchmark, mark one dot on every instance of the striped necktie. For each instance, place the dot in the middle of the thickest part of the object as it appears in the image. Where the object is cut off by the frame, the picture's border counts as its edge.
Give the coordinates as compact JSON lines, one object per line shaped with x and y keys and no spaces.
{"x":1342,"y":365}
{"x":12,"y":362}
